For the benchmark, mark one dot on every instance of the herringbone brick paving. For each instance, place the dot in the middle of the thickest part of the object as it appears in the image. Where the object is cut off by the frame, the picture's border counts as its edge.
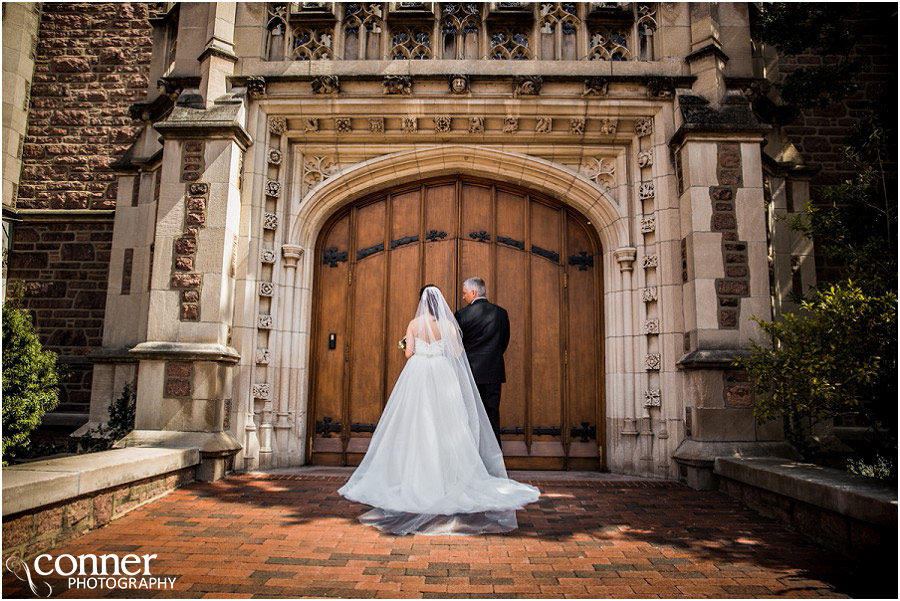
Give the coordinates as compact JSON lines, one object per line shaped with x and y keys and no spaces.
{"x":269,"y":535}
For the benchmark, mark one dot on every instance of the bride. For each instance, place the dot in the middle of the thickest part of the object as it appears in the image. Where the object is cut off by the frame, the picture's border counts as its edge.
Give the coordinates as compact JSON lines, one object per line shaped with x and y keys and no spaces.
{"x":433,"y":464}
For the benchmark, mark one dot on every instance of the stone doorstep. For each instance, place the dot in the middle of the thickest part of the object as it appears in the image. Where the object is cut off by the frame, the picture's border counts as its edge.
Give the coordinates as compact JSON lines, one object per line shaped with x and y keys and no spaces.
{"x":850,"y":495}
{"x":31,"y":485}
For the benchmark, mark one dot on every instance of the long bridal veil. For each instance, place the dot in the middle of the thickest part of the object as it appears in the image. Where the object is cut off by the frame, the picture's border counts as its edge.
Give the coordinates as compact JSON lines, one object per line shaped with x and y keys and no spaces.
{"x":434,"y":465}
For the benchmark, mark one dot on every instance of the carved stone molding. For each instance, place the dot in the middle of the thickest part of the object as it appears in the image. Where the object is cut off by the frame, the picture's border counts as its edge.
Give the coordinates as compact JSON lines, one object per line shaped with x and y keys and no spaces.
{"x":398,"y":84}
{"x":652,"y":398}
{"x":647,"y":191}
{"x":267,"y":256}
{"x":326,"y":84}
{"x":442,"y":124}
{"x":601,"y":171}
{"x":595,"y":86}
{"x":643,"y":126}
{"x":648,"y":294}
{"x":291,"y":254}
{"x":625,"y":257}
{"x":651,"y":362}
{"x":277,"y":125}
{"x":273,"y":188}
{"x":261,"y":391}
{"x":529,"y":85}
{"x":265,"y":322}
{"x":256,"y":86}
{"x":650,"y":261}
{"x":576,"y":126}
{"x":651,"y":327}
{"x":459,"y":84}
{"x":660,"y":87}
{"x":543,"y":125}
{"x":343,"y":125}
{"x":310,"y":124}
{"x":648,"y":224}
{"x":410,"y":125}
{"x":476,"y":125}
{"x":608,"y":127}
{"x":645,"y":158}
{"x":376,"y":125}
{"x":317,"y":169}
{"x":274,"y":156}
{"x":510,"y":125}
{"x":266,"y":289}
{"x":271,"y":221}
{"x":262,"y":356}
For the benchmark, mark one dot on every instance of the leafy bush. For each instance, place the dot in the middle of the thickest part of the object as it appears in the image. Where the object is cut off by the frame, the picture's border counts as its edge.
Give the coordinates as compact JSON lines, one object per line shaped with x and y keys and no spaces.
{"x":30,"y":378}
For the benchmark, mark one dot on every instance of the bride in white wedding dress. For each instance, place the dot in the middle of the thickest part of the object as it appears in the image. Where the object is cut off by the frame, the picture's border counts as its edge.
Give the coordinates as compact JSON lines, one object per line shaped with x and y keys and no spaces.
{"x":433,"y":465}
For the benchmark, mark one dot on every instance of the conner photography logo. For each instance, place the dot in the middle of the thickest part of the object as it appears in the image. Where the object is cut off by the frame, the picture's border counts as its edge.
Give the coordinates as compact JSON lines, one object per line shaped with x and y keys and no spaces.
{"x":89,"y":571}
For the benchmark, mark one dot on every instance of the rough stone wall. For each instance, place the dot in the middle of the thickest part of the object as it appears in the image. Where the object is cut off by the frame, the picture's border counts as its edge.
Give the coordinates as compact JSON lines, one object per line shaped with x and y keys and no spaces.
{"x":92,"y":62}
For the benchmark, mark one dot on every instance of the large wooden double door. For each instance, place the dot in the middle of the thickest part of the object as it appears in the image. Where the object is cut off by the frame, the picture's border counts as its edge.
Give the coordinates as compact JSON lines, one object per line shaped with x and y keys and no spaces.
{"x":540,"y":261}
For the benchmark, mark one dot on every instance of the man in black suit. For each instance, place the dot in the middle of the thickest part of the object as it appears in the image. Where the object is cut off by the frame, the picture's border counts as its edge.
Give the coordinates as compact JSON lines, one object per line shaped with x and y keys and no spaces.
{"x":485,"y":332}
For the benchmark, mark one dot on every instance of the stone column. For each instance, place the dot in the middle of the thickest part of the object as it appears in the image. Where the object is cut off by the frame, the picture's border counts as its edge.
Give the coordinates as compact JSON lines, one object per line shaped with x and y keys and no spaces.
{"x":725,"y":277}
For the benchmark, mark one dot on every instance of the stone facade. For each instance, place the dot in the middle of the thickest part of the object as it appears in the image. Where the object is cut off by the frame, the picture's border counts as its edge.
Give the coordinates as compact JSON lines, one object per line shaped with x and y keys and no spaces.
{"x":264,"y":119}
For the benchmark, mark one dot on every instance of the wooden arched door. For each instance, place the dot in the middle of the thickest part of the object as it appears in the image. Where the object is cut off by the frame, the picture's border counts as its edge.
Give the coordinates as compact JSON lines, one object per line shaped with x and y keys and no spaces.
{"x":540,"y":261}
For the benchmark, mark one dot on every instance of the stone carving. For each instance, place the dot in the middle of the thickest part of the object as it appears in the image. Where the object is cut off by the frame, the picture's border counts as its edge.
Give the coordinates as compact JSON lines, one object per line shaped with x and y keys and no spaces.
{"x":267,"y":256}
{"x":510,"y":125}
{"x":270,"y":221}
{"x":410,"y":125}
{"x":442,"y":124}
{"x":256,"y":86}
{"x":193,"y":160}
{"x":476,"y":125}
{"x":310,"y":44}
{"x":510,"y":44}
{"x":544,"y":125}
{"x":310,"y":124}
{"x":651,"y":327}
{"x":610,"y":43}
{"x":648,"y":294}
{"x":608,"y":127}
{"x":595,"y":86}
{"x":266,"y":289}
{"x":643,"y":126}
{"x":651,"y":261}
{"x":410,"y":43}
{"x":651,"y":362}
{"x":317,"y":169}
{"x":376,"y":125}
{"x":601,"y":171}
{"x":262,"y":356}
{"x":459,"y":84}
{"x":274,"y":156}
{"x":576,"y":126}
{"x":647,"y":191}
{"x":660,"y":87}
{"x":398,"y":84}
{"x":529,"y":85}
{"x":273,"y":188}
{"x":277,"y":125}
{"x":261,"y":391}
{"x":342,"y":125}
{"x":198,"y":189}
{"x":648,"y":224}
{"x":651,"y":398}
{"x":326,"y":84}
{"x":265,"y":322}
{"x":645,"y":158}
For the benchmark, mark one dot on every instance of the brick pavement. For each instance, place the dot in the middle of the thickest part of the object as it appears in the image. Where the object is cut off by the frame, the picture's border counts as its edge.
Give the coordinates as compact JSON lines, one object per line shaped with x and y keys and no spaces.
{"x":282,"y":535}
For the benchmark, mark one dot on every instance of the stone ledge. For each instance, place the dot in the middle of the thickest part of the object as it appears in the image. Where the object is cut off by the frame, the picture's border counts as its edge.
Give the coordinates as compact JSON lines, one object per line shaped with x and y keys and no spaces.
{"x":857,"y":497}
{"x":32,"y":485}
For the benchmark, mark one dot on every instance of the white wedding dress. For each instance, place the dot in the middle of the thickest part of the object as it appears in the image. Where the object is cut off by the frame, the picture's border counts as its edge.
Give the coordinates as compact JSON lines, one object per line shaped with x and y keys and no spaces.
{"x":433,"y":465}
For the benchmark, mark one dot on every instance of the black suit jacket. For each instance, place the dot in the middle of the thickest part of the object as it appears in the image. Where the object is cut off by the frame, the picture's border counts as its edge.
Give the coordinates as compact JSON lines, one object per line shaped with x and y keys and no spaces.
{"x":485,"y":332}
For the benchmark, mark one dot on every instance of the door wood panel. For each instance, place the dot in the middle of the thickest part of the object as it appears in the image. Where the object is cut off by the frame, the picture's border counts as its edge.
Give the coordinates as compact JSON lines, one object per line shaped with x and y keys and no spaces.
{"x":541,"y":262}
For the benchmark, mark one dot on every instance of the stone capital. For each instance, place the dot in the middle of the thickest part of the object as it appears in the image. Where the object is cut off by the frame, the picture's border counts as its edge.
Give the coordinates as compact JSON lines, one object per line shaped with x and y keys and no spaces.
{"x":626,"y":256}
{"x":291,"y":254}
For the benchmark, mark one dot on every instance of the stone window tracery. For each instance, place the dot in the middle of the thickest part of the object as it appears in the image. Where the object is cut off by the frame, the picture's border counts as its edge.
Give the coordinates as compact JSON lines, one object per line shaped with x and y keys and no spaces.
{"x":646,"y":27}
{"x":363,"y":24}
{"x":411,"y":43}
{"x":559,"y":28}
{"x":609,"y":44}
{"x":276,"y":30}
{"x":309,"y":43}
{"x":510,"y":44}
{"x":460,"y":26}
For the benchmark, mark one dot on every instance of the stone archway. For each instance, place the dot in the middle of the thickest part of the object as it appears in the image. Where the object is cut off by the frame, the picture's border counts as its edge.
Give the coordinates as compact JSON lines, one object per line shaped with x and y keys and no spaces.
{"x":543,"y":177}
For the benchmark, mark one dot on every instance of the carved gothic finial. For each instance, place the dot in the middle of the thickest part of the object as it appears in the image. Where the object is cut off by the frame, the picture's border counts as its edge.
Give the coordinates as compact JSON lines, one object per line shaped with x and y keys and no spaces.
{"x":398,"y":84}
{"x":528,"y":85}
{"x":595,"y":86}
{"x":326,"y":84}
{"x":256,"y":86}
{"x":459,"y":84}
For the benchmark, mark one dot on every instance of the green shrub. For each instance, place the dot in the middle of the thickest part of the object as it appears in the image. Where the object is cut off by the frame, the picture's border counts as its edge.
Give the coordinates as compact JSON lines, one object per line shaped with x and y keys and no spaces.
{"x":30,"y":378}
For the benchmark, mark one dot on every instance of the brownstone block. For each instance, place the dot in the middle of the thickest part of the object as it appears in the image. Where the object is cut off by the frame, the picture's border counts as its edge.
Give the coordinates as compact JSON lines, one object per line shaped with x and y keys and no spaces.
{"x":186,"y":280}
{"x":179,"y":369}
{"x":176,"y":389}
{"x":18,"y":531}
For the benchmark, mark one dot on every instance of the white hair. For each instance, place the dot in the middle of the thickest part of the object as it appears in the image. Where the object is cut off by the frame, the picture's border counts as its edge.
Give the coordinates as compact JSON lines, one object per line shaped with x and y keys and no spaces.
{"x":476,"y":284}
